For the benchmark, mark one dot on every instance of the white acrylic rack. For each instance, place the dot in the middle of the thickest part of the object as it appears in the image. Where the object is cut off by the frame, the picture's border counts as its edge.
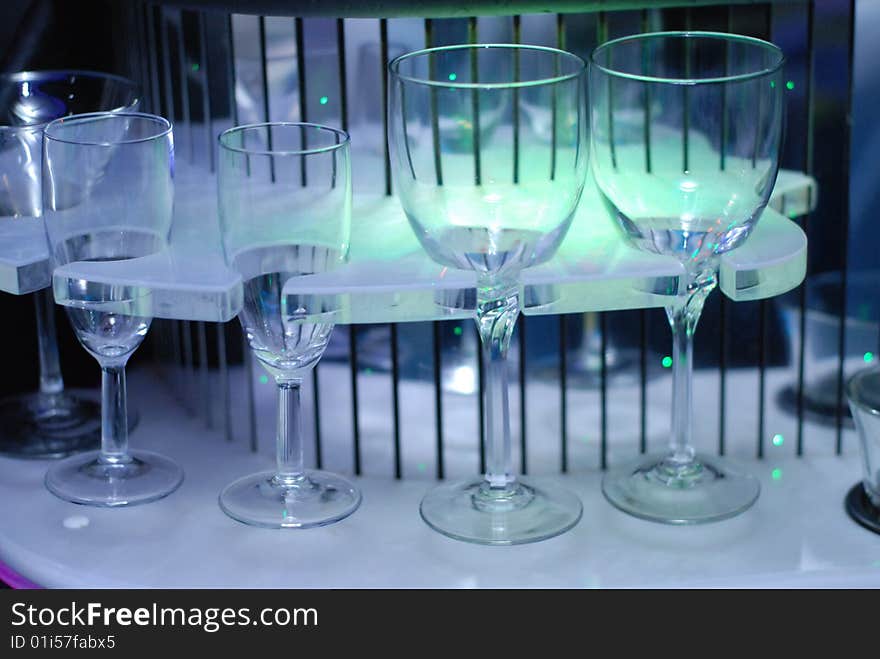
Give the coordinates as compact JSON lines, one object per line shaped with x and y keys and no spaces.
{"x":390,"y":278}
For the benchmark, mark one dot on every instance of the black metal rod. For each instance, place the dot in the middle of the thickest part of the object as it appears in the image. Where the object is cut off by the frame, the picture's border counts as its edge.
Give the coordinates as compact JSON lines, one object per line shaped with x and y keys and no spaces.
{"x":166,"y":66}
{"x":343,"y":72}
{"x":301,"y":85}
{"x":435,"y":120}
{"x":438,"y":397}
{"x":184,"y":85}
{"x":264,"y":79}
{"x":643,"y":316}
{"x":844,"y":243}
{"x":603,"y":391}
{"x":251,"y":398}
{"x":206,"y":91}
{"x":316,"y":403}
{"x":383,"y":50}
{"x":395,"y":400}
{"x":473,"y":37}
{"x":230,"y":71}
{"x":517,"y":38}
{"x":355,"y":417}
{"x":223,"y":367}
{"x":563,"y":391}
{"x":523,"y":401}
{"x":805,"y":223}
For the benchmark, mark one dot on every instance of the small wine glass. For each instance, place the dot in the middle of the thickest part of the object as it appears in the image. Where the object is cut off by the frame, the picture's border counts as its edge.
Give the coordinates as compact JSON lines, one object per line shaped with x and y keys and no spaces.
{"x":50,"y":422}
{"x":284,"y":193}
{"x":108,"y":196}
{"x":686,"y":135}
{"x":490,"y":158}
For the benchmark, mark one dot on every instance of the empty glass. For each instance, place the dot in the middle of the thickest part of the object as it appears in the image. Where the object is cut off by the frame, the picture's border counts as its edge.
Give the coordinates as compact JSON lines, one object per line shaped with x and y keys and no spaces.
{"x":285,"y":212}
{"x":108,"y":196}
{"x":686,"y":133}
{"x":863,"y":392}
{"x":50,"y":422}
{"x":490,"y":157}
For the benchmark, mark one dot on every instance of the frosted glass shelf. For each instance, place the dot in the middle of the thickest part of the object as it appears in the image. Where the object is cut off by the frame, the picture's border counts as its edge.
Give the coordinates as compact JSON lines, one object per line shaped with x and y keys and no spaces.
{"x":391,"y":279}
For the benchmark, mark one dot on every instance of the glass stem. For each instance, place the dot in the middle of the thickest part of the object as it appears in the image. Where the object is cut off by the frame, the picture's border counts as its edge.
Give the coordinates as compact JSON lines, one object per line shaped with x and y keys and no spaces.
{"x":114,"y":415}
{"x":289,"y":444}
{"x":497,"y":310}
{"x":684,"y":314}
{"x":47,"y":344}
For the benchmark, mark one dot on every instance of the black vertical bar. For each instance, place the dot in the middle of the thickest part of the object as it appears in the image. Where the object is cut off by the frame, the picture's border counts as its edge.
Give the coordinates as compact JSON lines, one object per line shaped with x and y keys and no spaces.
{"x":252,"y":404}
{"x":395,"y":400}
{"x":603,"y":392}
{"x":686,"y":92}
{"x":475,"y":100}
{"x":844,"y":246}
{"x":438,"y":398}
{"x":762,"y":305}
{"x":206,"y":92}
{"x":223,"y":367}
{"x":343,"y":75}
{"x":301,"y":84}
{"x":316,"y":405}
{"x":355,"y":420}
{"x":522,"y":394}
{"x":383,"y":49}
{"x":166,"y":66}
{"x":184,"y":85}
{"x":149,"y":18}
{"x":230,"y":72}
{"x":602,"y":36}
{"x":722,"y":312}
{"x":563,"y":326}
{"x":264,"y":79}
{"x":563,"y":390}
{"x":481,"y":400}
{"x":805,"y":224}
{"x":435,"y":326}
{"x":204,"y":377}
{"x":643,"y":316}
{"x":395,"y":361}
{"x":517,"y":37}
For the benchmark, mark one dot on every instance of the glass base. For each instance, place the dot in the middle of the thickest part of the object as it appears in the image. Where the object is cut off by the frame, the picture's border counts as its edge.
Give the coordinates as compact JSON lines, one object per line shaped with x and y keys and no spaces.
{"x":87,"y":480}
{"x":316,"y":499}
{"x":524,"y":512}
{"x":658,"y":489}
{"x":41,"y":426}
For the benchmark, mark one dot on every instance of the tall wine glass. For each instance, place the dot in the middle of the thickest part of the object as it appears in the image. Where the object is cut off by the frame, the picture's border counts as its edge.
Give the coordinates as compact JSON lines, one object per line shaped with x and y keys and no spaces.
{"x":490,"y":157}
{"x":285,"y":212}
{"x":50,"y":422}
{"x":686,"y":134}
{"x":107,"y":196}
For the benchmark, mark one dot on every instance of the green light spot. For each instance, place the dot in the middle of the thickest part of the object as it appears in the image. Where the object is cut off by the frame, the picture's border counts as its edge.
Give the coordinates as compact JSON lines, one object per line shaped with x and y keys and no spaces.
{"x":452,"y":77}
{"x":195,"y":66}
{"x":323,"y":100}
{"x":772,"y":84}
{"x":368,"y":370}
{"x":789,"y":85}
{"x":264,"y":379}
{"x":778,"y":440}
{"x":666,"y":361}
{"x":869,"y":357}
{"x":457,"y":331}
{"x":776,"y":474}
{"x":421,"y":466}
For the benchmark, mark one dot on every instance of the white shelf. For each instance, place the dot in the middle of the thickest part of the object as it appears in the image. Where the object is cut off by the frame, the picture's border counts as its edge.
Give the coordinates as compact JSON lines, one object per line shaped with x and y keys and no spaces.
{"x":390,"y":278}
{"x":796,"y":535}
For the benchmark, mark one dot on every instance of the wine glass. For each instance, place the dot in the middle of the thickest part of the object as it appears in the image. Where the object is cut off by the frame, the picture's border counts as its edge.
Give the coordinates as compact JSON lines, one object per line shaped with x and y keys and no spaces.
{"x":50,"y":422}
{"x":686,"y":134}
{"x":490,"y":157}
{"x":285,"y":212}
{"x":108,"y":196}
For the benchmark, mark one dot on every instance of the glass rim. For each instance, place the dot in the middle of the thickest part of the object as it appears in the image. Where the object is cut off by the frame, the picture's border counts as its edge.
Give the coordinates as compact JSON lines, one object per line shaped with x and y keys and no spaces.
{"x":100,"y":116}
{"x":344,"y":141}
{"x":850,"y":385}
{"x":42,"y":74}
{"x":394,"y":67}
{"x":722,"y":36}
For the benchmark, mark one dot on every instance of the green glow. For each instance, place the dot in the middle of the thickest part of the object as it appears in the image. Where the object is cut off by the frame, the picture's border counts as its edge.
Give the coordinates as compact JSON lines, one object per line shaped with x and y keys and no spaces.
{"x":264,"y":379}
{"x":869,"y":357}
{"x":457,"y":331}
{"x":666,"y":361}
{"x":323,"y":100}
{"x":368,"y":370}
{"x":772,"y":84}
{"x":789,"y":84}
{"x":195,"y":66}
{"x":778,"y":440}
{"x":776,"y":474}
{"x":452,"y":77}
{"x":421,"y":466}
